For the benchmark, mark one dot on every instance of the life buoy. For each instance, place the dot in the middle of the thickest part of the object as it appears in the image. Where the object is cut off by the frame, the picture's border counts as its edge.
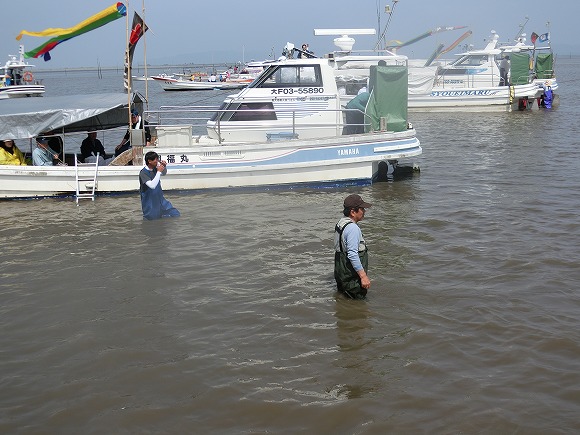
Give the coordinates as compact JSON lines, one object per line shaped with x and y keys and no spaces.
{"x":27,"y":77}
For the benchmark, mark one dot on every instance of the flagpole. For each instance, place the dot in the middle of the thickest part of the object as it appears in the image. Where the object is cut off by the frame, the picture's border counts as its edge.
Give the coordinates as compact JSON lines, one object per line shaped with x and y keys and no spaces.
{"x":128,"y":67}
{"x":145,"y":57}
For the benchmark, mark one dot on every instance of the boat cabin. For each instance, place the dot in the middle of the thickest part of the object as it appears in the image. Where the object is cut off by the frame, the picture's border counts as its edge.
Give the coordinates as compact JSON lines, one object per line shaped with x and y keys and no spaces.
{"x":295,"y":98}
{"x":18,"y":80}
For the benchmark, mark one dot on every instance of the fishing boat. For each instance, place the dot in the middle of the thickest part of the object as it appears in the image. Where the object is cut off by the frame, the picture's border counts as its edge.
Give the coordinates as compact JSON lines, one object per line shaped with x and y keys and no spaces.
{"x":142,"y":78}
{"x":199,"y":82}
{"x":187,"y":84}
{"x":534,"y":61}
{"x":472,"y":81}
{"x":285,"y":129}
{"x":18,"y":81}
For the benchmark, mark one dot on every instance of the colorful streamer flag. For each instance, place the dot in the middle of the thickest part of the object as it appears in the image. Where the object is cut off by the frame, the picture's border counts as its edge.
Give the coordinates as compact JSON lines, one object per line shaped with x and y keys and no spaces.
{"x":534,"y":37}
{"x":138,"y":29}
{"x":59,"y":35}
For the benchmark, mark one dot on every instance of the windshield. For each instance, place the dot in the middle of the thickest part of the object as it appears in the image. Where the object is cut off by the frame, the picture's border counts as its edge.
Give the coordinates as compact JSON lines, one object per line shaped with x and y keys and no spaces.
{"x":471,"y":60}
{"x":278,"y":76}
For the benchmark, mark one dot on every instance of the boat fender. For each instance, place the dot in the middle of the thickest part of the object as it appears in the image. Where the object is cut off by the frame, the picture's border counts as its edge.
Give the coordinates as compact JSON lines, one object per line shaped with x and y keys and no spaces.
{"x":28,"y":77}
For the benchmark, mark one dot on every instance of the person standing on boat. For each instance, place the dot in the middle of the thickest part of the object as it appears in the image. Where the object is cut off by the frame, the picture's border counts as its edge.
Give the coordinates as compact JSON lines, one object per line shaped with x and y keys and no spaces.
{"x":137,"y":123}
{"x":42,"y":154}
{"x":504,"y":67}
{"x":153,"y":203}
{"x":305,"y":53}
{"x":10,"y":154}
{"x":350,"y":250}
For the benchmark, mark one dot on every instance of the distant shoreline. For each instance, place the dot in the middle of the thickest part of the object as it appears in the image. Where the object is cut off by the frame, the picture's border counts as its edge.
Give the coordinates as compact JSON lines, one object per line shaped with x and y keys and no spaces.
{"x":190,"y":66}
{"x":185,"y":66}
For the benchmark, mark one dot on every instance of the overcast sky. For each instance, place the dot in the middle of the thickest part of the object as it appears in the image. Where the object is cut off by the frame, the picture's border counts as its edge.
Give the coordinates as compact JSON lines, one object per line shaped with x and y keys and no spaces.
{"x":188,"y":31}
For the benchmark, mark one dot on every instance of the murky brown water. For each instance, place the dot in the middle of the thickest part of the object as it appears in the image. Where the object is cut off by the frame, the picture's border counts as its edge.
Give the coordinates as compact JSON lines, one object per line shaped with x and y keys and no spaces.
{"x":225,"y":320}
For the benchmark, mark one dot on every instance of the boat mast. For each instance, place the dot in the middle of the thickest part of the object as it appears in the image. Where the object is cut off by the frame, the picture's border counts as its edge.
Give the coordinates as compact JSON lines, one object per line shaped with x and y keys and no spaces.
{"x":520,"y":32}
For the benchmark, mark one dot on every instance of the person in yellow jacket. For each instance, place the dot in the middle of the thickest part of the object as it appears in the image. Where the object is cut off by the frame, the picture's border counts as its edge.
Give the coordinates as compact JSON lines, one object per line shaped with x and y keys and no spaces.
{"x":10,"y":154}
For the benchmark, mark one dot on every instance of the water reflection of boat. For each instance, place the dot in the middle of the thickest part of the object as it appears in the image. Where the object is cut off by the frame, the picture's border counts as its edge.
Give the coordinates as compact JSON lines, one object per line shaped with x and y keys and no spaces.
{"x":285,"y":129}
{"x":17,"y":80}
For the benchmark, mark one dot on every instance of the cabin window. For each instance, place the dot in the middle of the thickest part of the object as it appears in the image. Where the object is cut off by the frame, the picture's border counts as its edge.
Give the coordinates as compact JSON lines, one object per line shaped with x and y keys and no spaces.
{"x":261,"y":111}
{"x":254,"y":112}
{"x":289,"y":76}
{"x":472,"y":60}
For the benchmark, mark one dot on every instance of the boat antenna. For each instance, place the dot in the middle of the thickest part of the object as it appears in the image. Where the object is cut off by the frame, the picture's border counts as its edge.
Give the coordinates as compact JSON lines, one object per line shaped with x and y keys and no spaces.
{"x":388,"y":10}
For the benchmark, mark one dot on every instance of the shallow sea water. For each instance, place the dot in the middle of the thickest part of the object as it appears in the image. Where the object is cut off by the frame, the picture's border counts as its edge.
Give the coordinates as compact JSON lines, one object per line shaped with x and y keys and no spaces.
{"x":226,"y":320}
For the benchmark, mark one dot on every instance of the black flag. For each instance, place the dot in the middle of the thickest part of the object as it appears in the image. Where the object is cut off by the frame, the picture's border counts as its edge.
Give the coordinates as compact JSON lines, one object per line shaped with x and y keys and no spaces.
{"x":137,"y":30}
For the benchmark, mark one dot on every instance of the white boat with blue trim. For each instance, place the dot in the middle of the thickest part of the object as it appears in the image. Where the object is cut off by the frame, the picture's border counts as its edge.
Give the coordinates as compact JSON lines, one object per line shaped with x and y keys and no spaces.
{"x":17,"y":80}
{"x":284,"y":129}
{"x":471,"y":81}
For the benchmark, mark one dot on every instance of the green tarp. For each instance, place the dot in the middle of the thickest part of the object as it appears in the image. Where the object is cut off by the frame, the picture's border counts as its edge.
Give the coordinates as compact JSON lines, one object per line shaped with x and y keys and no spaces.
{"x":520,"y":68}
{"x":545,"y":66}
{"x":389,"y":87}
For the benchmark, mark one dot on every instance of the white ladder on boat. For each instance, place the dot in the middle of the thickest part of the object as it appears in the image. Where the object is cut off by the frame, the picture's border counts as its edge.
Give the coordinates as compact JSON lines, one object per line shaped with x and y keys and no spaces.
{"x":90,"y":183}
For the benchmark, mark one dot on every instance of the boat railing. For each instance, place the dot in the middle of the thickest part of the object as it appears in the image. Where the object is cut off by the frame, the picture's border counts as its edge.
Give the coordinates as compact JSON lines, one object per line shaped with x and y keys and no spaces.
{"x":291,"y":121}
{"x":451,"y":80}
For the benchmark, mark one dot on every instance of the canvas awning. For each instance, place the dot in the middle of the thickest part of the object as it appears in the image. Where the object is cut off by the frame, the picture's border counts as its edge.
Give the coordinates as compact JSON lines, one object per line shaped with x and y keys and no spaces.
{"x":23,"y":118}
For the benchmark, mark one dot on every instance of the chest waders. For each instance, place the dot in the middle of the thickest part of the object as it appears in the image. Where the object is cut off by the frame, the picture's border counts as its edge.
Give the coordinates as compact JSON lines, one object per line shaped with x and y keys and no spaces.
{"x":347,"y":279}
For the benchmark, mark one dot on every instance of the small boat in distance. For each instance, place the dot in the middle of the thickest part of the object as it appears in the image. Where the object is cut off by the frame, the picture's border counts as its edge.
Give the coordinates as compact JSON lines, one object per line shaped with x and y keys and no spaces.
{"x":184,"y":84}
{"x":141,"y":78}
{"x":17,"y":81}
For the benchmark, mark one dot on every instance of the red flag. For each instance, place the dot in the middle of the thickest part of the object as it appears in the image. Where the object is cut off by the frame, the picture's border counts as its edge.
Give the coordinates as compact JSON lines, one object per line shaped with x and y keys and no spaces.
{"x":534,"y":36}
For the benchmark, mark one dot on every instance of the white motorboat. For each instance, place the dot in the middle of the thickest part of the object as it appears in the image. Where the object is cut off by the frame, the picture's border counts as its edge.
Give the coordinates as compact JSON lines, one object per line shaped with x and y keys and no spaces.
{"x":472,"y":81}
{"x":181,"y":84}
{"x":142,"y":78}
{"x":17,"y":80}
{"x":535,"y":61}
{"x":199,"y":83}
{"x":285,"y":130}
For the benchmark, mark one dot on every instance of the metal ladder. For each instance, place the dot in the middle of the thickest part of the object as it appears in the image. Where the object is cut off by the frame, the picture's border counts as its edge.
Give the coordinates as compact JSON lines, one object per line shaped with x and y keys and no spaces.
{"x":88,"y":192}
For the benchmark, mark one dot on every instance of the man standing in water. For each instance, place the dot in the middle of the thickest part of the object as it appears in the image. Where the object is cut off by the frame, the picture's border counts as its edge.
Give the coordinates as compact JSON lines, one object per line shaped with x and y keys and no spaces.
{"x":153,"y":203}
{"x":350,"y":250}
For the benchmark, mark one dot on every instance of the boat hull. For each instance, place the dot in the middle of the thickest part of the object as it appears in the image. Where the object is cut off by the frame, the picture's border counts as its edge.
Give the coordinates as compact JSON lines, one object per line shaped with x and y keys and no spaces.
{"x":19,"y":91}
{"x":502,"y":98}
{"x":190,"y":85}
{"x":280,"y":163}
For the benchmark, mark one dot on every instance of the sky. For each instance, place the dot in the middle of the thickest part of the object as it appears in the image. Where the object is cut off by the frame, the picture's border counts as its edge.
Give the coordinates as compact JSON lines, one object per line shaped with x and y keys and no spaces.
{"x":188,"y":31}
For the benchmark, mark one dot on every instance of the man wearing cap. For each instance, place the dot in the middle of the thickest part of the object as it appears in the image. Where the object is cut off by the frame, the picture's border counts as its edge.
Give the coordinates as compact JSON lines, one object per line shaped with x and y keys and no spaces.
{"x":137,"y":123}
{"x":42,"y":154}
{"x":350,"y":256}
